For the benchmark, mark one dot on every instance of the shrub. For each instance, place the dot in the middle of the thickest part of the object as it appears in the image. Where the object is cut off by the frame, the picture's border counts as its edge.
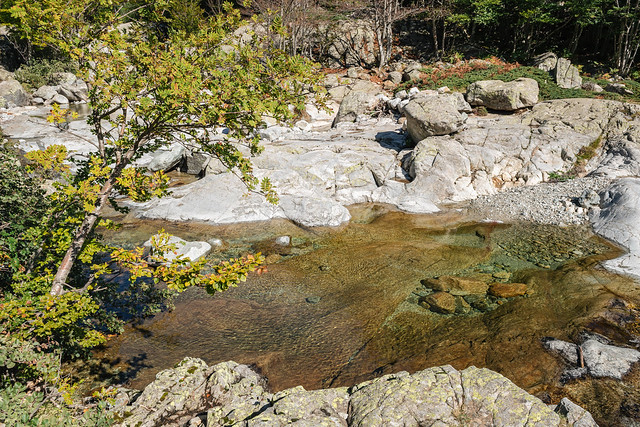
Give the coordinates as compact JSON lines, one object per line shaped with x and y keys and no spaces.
{"x":42,"y":72}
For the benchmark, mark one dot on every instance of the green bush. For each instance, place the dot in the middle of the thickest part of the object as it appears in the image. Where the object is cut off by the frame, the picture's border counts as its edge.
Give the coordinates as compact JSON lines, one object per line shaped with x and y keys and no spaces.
{"x":42,"y":72}
{"x":461,"y":75}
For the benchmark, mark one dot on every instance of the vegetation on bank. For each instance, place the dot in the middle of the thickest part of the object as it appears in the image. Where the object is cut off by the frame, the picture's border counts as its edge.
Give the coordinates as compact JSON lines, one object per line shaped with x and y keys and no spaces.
{"x":460,"y":75}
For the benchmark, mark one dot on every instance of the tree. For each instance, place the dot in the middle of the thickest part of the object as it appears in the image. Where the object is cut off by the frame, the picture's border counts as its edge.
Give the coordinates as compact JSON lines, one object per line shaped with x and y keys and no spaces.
{"x":146,"y":92}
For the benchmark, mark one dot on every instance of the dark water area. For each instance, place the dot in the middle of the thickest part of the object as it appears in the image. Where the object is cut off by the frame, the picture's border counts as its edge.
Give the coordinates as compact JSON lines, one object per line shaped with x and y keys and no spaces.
{"x":341,"y":306}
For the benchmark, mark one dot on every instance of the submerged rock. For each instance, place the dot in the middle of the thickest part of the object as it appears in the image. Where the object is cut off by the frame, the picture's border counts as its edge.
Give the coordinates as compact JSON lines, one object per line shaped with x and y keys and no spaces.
{"x":232,"y":394}
{"x":441,"y":302}
{"x":458,"y":286}
{"x":507,"y":290}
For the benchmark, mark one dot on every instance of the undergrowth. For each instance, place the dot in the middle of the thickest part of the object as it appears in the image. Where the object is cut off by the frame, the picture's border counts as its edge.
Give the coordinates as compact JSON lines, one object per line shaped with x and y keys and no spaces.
{"x":459,"y":76}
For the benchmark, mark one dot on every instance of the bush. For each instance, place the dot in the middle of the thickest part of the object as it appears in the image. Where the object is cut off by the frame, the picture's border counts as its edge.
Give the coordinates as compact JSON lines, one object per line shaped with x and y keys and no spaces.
{"x":461,"y":75}
{"x":42,"y":72}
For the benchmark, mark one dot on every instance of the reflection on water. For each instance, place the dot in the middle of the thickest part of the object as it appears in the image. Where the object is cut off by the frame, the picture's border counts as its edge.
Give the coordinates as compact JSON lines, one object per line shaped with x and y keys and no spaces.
{"x":342,"y":306}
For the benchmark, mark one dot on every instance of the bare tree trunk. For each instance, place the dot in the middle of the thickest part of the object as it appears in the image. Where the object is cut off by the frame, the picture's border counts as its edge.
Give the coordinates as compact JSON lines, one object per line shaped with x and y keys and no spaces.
{"x":83,"y":232}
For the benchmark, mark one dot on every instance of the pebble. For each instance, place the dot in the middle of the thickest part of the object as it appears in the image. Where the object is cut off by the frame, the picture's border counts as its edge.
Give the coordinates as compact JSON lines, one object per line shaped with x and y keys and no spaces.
{"x":546,"y":203}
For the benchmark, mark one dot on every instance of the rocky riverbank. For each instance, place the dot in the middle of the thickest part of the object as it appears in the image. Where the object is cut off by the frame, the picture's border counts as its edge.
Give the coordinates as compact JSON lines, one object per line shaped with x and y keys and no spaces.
{"x":229,"y":394}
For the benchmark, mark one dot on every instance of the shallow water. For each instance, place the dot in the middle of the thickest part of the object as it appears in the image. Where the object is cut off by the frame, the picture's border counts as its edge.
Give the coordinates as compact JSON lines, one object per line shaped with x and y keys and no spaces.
{"x":342,"y":306}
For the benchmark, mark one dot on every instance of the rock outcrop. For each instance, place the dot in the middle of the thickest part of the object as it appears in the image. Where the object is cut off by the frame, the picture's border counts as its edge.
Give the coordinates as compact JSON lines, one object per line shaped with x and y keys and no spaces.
{"x":618,"y":220}
{"x":229,"y":394}
{"x":504,"y":96}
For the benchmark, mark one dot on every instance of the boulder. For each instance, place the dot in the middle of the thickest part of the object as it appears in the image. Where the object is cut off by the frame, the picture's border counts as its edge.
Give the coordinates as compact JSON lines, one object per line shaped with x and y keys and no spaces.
{"x":360,"y":98}
{"x":445,"y":397}
{"x":504,"y":96}
{"x":233,"y":394}
{"x":46,"y":92}
{"x":175,"y":393}
{"x":195,"y":163}
{"x":314,"y":212}
{"x":59,"y":99}
{"x":412,"y":75}
{"x":567,"y":75}
{"x":600,"y":359}
{"x":74,"y":93}
{"x":459,"y":286}
{"x":434,"y":114}
{"x":12,"y":94}
{"x":395,"y":77}
{"x":64,"y":78}
{"x":349,"y":43}
{"x":618,"y":220}
{"x":619,"y":88}
{"x":546,"y":62}
{"x":5,"y":75}
{"x":576,"y":416}
{"x":189,"y":250}
{"x":164,"y":160}
{"x":603,"y":360}
{"x":593,"y":87}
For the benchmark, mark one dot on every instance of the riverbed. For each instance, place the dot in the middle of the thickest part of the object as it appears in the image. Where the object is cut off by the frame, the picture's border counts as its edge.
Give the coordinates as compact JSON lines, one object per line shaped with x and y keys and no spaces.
{"x":341,"y":305}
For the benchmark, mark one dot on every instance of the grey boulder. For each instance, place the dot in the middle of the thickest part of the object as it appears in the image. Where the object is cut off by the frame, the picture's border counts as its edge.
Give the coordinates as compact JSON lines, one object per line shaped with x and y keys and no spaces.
{"x":567,"y":75}
{"x":504,"y":96}
{"x":12,"y":94}
{"x":435,"y":114}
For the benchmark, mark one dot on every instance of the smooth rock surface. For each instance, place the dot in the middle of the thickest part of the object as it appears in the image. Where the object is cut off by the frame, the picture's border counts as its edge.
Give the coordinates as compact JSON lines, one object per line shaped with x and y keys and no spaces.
{"x":618,"y":220}
{"x":504,"y":96}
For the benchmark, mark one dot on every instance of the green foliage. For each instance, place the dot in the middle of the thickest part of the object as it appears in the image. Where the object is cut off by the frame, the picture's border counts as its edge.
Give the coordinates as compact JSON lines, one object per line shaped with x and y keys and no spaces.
{"x":464,"y":73}
{"x":150,"y":85}
{"x":43,"y":72}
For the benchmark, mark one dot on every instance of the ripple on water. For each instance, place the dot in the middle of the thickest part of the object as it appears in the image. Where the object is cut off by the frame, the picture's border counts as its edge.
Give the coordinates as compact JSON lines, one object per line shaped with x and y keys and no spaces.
{"x":344,"y":306}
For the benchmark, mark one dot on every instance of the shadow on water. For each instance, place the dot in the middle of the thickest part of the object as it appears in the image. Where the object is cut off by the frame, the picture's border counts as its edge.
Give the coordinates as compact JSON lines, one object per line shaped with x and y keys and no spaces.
{"x":342,"y":306}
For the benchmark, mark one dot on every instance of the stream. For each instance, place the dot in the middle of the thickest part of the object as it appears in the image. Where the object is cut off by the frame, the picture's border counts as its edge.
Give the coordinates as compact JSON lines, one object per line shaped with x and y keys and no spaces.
{"x":340,"y":306}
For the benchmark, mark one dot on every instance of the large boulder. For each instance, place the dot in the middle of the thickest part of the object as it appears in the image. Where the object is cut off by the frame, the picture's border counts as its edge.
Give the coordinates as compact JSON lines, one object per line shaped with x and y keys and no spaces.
{"x":359,"y":97}
{"x":349,"y":43}
{"x":567,"y":75}
{"x":12,"y":94}
{"x":504,"y":96}
{"x":174,"y":393}
{"x":618,"y":220}
{"x":232,"y":394}
{"x":435,"y":114}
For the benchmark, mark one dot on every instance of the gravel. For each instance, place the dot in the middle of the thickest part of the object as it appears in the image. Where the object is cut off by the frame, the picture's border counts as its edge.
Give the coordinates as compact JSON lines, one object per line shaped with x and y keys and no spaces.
{"x":547,"y":203}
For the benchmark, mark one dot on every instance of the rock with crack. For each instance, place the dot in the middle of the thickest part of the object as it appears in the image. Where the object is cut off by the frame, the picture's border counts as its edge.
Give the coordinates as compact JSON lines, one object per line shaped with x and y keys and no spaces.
{"x":504,"y":96}
{"x":233,"y":395}
{"x":435,"y":114}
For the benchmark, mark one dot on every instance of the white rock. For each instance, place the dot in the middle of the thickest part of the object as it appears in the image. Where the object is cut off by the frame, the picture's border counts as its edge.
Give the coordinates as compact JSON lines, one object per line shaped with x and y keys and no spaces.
{"x":189,"y":250}
{"x":604,"y":360}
